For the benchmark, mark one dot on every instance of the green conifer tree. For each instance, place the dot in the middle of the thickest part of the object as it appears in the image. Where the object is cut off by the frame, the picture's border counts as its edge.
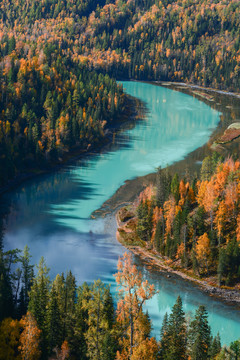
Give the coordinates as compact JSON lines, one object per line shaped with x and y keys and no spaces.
{"x":27,"y":276}
{"x":54,"y":323}
{"x":215,"y":347}
{"x":99,"y":321}
{"x":199,"y":335}
{"x":164,"y":338}
{"x":69,"y":305}
{"x":174,"y":334}
{"x":38,"y":300}
{"x":175,"y":186}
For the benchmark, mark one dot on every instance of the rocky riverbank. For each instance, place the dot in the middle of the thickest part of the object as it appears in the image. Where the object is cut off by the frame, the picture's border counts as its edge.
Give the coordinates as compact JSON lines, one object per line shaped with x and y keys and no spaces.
{"x":126,"y":235}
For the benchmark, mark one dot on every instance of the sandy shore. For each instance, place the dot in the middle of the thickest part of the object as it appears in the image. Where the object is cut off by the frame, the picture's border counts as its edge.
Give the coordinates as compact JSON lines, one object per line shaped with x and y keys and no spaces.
{"x":192,"y":86}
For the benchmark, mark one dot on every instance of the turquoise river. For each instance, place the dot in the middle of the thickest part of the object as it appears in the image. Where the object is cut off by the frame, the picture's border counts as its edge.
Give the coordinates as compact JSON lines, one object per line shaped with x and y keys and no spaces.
{"x":51,"y":213}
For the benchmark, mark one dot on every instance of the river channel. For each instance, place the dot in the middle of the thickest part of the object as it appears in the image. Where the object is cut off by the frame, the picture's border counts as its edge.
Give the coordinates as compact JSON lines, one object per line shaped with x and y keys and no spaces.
{"x":52,"y":213}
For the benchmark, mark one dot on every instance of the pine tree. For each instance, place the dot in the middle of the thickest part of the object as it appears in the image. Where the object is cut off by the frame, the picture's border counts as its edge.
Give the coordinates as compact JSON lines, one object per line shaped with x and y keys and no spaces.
{"x":142,"y":224}
{"x":175,"y":187}
{"x":164,"y":338}
{"x":158,"y":239}
{"x":54,"y":324}
{"x":176,"y":333}
{"x":163,"y":184}
{"x":199,"y":221}
{"x":222,"y":264}
{"x":78,"y":342}
{"x":98,"y":307}
{"x":199,"y":335}
{"x":109,"y":307}
{"x":38,"y":300}
{"x":27,"y":277}
{"x":215,"y":347}
{"x":59,"y":285}
{"x":6,"y":295}
{"x":207,"y":168}
{"x":235,"y":348}
{"x":69,"y":306}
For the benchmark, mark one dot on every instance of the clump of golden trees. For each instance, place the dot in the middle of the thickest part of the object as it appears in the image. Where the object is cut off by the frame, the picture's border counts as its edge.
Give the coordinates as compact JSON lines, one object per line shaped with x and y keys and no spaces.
{"x":196,"y":220}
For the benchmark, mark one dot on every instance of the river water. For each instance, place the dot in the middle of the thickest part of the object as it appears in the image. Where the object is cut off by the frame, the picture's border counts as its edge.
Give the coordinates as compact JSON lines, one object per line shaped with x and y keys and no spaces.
{"x":51,"y":214}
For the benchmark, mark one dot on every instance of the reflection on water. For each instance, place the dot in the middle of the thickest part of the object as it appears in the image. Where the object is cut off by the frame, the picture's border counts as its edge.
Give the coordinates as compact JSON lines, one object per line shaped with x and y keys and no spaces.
{"x":52,"y":213}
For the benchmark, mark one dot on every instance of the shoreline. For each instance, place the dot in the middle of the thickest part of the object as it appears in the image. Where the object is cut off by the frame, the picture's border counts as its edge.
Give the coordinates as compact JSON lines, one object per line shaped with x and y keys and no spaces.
{"x":187,"y":85}
{"x":76,"y":154}
{"x":229,"y":296}
{"x":192,"y":86}
{"x":128,"y":119}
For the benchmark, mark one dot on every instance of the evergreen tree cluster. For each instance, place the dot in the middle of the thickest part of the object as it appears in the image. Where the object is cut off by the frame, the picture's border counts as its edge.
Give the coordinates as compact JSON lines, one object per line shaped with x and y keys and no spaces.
{"x":82,"y":322}
{"x":180,"y":340}
{"x":16,"y":276}
{"x":48,"y":9}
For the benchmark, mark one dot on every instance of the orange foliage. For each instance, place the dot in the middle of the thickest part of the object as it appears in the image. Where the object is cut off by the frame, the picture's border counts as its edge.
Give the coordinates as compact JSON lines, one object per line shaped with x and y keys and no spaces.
{"x":182,"y":189}
{"x":203,"y":247}
{"x":30,"y":338}
{"x":169,"y":213}
{"x":157,"y":215}
{"x":64,"y":353}
{"x":180,"y":251}
{"x":220,"y":218}
{"x":231,"y":197}
{"x":238,"y":228}
{"x":9,"y":337}
{"x":133,"y":292}
{"x":147,"y":350}
{"x":146,"y":194}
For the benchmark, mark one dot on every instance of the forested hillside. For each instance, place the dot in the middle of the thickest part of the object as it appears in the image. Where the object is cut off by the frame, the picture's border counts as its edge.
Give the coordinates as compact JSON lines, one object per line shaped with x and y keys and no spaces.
{"x":49,"y":103}
{"x":52,"y":52}
{"x":191,"y":40}
{"x":195,"y":222}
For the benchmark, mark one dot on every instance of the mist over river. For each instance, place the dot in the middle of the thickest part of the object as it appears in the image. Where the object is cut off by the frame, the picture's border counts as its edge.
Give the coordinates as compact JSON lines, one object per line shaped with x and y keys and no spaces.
{"x":51,"y":213}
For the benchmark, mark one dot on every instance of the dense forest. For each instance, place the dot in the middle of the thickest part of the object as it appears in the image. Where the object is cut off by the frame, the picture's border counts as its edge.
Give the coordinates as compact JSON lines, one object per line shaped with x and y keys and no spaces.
{"x":49,"y":105}
{"x":44,"y":319}
{"x":54,"y":57}
{"x":191,"y":40}
{"x":195,"y":221}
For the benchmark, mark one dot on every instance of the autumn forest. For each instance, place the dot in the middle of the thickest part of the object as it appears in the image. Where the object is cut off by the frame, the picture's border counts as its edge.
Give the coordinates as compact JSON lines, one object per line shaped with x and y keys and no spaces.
{"x":60,"y":96}
{"x":54,"y":56}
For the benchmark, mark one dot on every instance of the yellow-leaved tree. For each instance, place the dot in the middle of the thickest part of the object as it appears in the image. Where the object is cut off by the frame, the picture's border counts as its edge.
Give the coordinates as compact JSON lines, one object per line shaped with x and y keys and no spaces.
{"x":9,"y":337}
{"x":203,"y":250}
{"x":30,"y":338}
{"x":135,"y":325}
